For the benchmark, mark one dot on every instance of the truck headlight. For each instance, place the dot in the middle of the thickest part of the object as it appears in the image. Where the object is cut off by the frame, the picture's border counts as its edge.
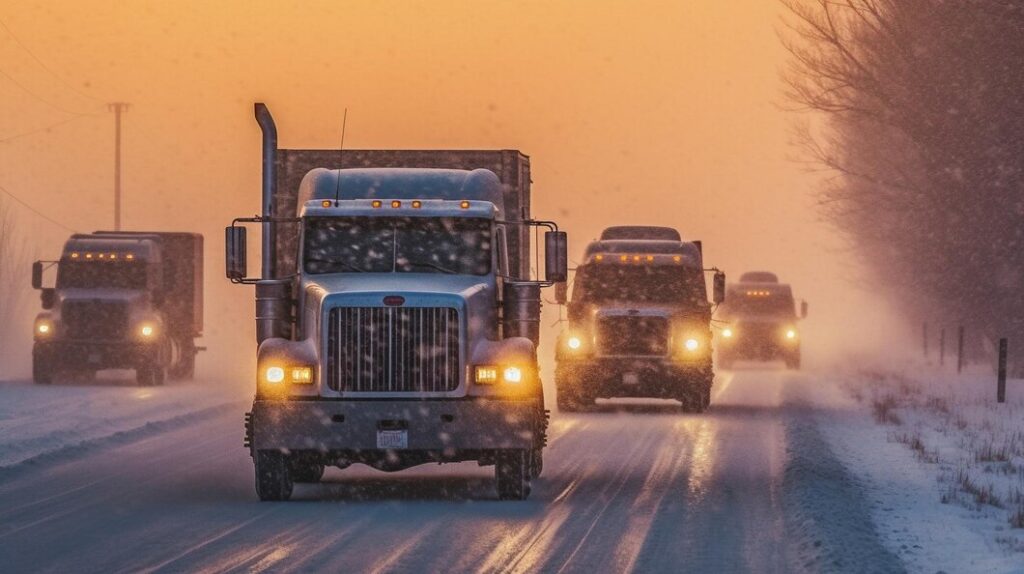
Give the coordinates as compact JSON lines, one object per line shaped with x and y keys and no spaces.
{"x":574,"y":343}
{"x":274,"y":375}
{"x":44,"y":328}
{"x":147,"y":330}
{"x":302,"y":375}
{"x":489,"y":374}
{"x":691,"y":344}
{"x":791,"y":334}
{"x":727,"y":332}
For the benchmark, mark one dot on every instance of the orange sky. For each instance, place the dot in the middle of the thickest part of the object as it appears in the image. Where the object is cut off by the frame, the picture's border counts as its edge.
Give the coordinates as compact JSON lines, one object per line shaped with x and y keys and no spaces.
{"x":632,"y":112}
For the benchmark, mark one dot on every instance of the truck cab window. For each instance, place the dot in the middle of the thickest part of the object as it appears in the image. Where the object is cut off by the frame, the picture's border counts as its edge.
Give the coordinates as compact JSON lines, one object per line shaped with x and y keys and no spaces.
{"x":451,"y":245}
{"x":101,"y":274}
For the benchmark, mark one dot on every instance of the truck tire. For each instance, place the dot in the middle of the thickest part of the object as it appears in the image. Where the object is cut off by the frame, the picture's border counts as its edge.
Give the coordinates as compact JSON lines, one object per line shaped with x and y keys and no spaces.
{"x":273,"y":480}
{"x":512,"y":474}
{"x":305,"y":471}
{"x":184,"y":367}
{"x":537,"y":463}
{"x":42,"y":371}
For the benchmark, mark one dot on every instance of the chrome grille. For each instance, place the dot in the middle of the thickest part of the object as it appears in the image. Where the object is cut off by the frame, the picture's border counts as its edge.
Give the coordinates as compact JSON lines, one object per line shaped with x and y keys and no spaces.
{"x":632,"y":335}
{"x":393,"y":349}
{"x":95,"y":319}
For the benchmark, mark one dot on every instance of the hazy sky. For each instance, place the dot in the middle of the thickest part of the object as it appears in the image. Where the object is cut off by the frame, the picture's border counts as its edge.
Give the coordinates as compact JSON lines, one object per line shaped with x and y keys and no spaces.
{"x":632,"y":112}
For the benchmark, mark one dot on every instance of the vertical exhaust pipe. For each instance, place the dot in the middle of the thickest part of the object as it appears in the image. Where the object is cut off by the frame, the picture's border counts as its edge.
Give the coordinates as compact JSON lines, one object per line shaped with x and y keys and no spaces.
{"x":269,"y":129}
{"x":273,"y":297}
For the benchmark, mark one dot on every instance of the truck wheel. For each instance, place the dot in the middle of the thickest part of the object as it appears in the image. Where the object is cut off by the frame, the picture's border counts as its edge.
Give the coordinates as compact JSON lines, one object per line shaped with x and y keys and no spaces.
{"x":273,"y":481}
{"x":305,"y":471}
{"x":536,"y":463}
{"x":512,"y":474}
{"x":42,"y":372}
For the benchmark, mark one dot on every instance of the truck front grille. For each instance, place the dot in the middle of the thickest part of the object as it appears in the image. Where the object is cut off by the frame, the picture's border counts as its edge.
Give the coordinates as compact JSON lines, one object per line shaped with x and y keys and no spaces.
{"x":632,"y":335}
{"x":393,"y":349}
{"x":95,"y":319}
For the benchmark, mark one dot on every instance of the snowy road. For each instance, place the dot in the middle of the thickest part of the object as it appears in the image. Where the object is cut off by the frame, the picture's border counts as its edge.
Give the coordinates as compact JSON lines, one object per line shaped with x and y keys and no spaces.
{"x":630,"y":487}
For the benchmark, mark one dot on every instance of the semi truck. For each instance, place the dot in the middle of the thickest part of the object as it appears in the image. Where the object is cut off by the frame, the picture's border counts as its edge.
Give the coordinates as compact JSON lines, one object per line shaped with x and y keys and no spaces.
{"x":639,"y":321}
{"x":760,"y":321}
{"x":397,"y":319}
{"x":121,"y":300}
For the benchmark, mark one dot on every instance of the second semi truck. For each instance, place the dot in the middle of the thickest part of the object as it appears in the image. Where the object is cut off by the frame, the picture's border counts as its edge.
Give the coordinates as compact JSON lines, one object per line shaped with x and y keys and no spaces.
{"x":639,"y":321}
{"x":396,"y":318}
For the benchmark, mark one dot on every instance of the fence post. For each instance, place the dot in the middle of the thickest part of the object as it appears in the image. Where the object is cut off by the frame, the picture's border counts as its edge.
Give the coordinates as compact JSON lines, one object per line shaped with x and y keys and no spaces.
{"x":924,"y":338}
{"x":942,"y":347}
{"x":1001,"y":381}
{"x":960,"y":350}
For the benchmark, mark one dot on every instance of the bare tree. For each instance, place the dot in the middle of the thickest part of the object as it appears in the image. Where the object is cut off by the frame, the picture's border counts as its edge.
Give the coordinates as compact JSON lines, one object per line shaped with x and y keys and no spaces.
{"x":925,"y":141}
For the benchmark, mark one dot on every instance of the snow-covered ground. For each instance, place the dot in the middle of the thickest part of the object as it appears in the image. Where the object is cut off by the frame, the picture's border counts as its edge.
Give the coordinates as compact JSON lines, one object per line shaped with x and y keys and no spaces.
{"x":788,"y":472}
{"x":943,"y":463}
{"x":68,"y":418}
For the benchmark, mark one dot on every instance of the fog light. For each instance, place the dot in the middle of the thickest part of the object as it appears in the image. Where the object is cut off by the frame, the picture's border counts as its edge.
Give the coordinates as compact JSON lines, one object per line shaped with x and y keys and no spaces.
{"x":302,"y":375}
{"x":727,"y":333}
{"x":791,"y":334}
{"x":44,"y":328}
{"x":692,"y":344}
{"x":513,"y":375}
{"x":574,"y":343}
{"x":274,"y":375}
{"x":487,"y":375}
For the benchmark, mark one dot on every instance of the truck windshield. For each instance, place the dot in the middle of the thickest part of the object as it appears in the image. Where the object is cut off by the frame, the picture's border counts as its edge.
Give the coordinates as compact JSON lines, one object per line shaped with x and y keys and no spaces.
{"x":676,"y":285}
{"x":455,"y":245}
{"x":101,"y":274}
{"x":738,"y":304}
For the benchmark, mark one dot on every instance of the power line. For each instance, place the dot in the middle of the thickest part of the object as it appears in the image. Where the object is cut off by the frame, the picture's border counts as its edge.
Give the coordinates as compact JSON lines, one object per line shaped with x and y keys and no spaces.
{"x":45,"y":128}
{"x":39,"y":97}
{"x":42,"y":64}
{"x":36,"y":211}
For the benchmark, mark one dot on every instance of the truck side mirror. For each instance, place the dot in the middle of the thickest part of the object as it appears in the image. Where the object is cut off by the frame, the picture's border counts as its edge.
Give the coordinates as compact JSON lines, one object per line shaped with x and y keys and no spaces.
{"x":803,"y":309}
{"x":561,"y":292}
{"x":719,"y":294}
{"x":234,"y":253}
{"x":37,"y":275}
{"x":556,"y":257}
{"x":48,"y":297}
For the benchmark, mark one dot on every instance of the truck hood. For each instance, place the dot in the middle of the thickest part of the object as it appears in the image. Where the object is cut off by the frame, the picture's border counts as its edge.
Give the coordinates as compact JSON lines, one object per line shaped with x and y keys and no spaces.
{"x":405,"y":284}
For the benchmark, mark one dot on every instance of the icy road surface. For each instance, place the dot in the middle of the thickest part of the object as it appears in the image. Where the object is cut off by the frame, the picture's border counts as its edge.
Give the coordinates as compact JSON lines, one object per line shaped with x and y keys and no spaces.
{"x":749,"y":486}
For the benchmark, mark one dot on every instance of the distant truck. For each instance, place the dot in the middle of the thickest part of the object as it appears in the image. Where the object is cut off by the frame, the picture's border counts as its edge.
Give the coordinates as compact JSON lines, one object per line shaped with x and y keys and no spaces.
{"x":639,"y":321}
{"x":122,"y":300}
{"x":759,"y":321}
{"x":397,"y":322}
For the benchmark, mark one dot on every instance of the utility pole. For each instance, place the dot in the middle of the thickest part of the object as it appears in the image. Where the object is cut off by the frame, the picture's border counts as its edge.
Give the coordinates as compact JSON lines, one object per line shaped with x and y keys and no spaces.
{"x":118,"y":108}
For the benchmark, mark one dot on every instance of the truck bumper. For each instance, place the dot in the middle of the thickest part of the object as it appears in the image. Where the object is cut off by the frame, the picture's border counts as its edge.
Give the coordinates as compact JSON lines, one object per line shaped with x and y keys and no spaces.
{"x":93,"y":355}
{"x":758,"y":349}
{"x":626,"y":377}
{"x":441,"y":426}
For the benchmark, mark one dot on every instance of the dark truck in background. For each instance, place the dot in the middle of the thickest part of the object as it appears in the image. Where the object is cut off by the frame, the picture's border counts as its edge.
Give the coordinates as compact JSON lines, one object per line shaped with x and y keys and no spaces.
{"x":639,"y":321}
{"x":760,"y":321}
{"x":397,"y":322}
{"x":121,"y":300}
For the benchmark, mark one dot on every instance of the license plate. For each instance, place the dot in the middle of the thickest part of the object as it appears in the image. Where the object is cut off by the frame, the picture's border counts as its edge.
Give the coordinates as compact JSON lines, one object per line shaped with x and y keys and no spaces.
{"x":630,"y":379}
{"x":392,"y":439}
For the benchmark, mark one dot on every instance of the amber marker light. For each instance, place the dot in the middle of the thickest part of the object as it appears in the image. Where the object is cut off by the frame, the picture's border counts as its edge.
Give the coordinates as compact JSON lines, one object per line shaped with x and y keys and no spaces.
{"x":376,"y":203}
{"x":464,"y":204}
{"x":325,"y":203}
{"x":395,"y":204}
{"x":302,"y":375}
{"x":417,"y":204}
{"x":486,"y":375}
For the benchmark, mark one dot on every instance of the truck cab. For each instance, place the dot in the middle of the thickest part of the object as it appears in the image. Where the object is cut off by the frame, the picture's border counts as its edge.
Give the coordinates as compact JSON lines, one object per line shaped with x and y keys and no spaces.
{"x":120,"y":300}
{"x":639,"y":321}
{"x":759,"y":321}
{"x":395,"y":326}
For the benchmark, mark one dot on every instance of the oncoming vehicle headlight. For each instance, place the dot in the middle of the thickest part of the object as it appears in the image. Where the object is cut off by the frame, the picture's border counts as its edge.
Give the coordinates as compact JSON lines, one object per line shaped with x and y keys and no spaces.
{"x":296,"y":375}
{"x":44,"y":328}
{"x":491,"y":374}
{"x":574,"y":343}
{"x":691,"y":344}
{"x":147,"y":330}
{"x":791,"y":334}
{"x":727,"y":332}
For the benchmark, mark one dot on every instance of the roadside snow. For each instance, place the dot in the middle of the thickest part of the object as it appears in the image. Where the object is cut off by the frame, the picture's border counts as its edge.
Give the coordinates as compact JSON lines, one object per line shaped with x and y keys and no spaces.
{"x":38,"y":421}
{"x":942,"y":462}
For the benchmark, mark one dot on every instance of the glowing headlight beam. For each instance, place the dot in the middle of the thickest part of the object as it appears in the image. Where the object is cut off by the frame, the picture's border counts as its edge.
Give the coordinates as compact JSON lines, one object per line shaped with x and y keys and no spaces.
{"x":727,"y":333}
{"x":692,"y":344}
{"x":574,"y":343}
{"x":512,"y":375}
{"x":274,"y":375}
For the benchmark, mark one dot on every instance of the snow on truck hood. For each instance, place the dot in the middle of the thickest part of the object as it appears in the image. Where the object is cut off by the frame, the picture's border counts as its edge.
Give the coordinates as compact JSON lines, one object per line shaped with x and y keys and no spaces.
{"x":367,"y":288}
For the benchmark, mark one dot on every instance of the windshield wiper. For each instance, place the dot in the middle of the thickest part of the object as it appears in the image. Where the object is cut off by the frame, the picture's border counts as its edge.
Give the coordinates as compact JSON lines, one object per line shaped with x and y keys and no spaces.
{"x":432,"y":265}
{"x":343,"y":264}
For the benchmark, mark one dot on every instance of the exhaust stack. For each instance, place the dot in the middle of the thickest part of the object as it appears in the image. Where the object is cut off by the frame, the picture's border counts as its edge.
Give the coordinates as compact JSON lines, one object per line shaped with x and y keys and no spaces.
{"x":269,"y":129}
